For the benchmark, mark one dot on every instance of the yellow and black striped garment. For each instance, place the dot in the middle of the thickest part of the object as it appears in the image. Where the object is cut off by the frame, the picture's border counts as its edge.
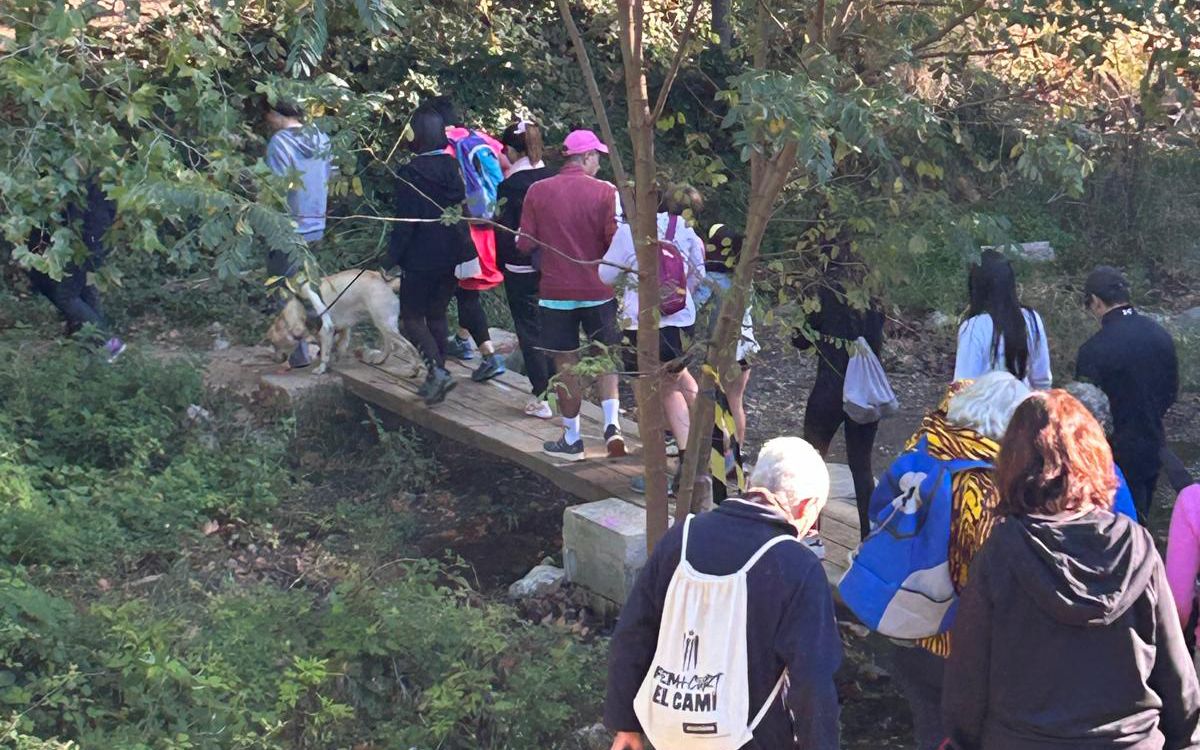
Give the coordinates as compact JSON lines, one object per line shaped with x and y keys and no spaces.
{"x":974,"y":495}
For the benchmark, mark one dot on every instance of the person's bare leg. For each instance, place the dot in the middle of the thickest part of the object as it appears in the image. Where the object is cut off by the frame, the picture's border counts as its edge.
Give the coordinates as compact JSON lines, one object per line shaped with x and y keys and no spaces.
{"x":686,"y":384}
{"x":736,"y":393}
{"x":567,"y":390}
{"x":675,"y":406}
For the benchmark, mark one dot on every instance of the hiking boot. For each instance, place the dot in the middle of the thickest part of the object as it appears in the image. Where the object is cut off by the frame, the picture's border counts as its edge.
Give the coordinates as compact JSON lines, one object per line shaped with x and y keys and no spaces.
{"x":440,"y":383}
{"x":299,"y":357}
{"x":492,"y":365}
{"x":638,"y":485}
{"x":460,"y":349}
{"x":539,"y":408}
{"x":564,"y":450}
{"x":614,"y":441}
{"x":114,"y":348}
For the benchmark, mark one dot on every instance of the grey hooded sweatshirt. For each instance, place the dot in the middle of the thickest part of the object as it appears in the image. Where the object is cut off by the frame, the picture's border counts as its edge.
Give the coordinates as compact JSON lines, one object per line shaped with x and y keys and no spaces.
{"x":1066,"y":637}
{"x":304,"y":150}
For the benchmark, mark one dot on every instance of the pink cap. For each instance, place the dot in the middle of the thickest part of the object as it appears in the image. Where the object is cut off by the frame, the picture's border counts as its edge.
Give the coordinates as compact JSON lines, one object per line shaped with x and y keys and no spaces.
{"x":582,"y":141}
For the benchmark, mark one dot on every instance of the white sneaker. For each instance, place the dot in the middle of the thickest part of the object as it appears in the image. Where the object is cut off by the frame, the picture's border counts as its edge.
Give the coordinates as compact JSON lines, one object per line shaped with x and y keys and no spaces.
{"x":814,"y":544}
{"x":538,"y":408}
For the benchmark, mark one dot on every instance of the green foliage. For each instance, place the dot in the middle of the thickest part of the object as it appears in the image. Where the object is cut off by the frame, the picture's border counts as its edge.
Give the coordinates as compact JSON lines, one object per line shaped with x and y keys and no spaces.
{"x":418,"y":661}
{"x":102,"y":461}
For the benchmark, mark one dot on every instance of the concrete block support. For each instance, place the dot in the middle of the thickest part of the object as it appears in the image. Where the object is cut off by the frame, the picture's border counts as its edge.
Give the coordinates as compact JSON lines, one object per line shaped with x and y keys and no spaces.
{"x":604,"y":547}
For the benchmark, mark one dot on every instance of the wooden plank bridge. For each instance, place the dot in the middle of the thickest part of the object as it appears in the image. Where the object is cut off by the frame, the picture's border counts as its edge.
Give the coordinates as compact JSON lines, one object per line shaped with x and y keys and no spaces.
{"x":489,"y":416}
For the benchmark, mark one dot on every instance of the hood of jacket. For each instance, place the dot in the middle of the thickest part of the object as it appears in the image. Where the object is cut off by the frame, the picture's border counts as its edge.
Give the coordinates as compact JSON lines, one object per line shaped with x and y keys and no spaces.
{"x":307,"y":142}
{"x":1086,"y":571}
{"x":438,"y":176}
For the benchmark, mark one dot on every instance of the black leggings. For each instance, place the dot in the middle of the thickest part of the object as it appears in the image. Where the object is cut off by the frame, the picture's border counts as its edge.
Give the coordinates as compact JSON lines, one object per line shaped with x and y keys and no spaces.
{"x":522,"y":292}
{"x":822,"y":417}
{"x":424,"y":297}
{"x":471,"y":314}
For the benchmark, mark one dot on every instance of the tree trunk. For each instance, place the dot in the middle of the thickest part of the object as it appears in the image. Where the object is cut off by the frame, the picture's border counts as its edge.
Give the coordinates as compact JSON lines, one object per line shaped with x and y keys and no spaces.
{"x":721,"y":25}
{"x":767,"y":180}
{"x":643,"y":220}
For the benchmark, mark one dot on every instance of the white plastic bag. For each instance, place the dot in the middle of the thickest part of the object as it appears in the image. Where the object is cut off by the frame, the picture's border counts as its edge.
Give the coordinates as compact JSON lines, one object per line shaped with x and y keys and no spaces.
{"x":468,"y":269}
{"x":867,"y":396}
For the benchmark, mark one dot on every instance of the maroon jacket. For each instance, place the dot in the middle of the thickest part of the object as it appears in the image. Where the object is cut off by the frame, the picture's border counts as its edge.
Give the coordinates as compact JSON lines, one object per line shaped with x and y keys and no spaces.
{"x":569,"y":218}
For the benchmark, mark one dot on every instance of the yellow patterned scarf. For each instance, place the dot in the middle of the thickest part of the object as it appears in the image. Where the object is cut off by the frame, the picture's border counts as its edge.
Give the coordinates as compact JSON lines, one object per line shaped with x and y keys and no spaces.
{"x":974,"y":495}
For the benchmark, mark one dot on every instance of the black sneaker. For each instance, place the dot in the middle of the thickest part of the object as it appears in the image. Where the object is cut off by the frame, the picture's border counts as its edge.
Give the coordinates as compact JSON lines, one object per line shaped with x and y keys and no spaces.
{"x":564,"y":450}
{"x":492,"y":365}
{"x":614,"y":441}
{"x":439,"y":385}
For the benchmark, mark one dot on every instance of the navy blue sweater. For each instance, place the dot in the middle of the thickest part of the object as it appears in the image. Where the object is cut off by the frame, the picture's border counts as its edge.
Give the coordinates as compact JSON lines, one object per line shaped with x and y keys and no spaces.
{"x":789,"y":623}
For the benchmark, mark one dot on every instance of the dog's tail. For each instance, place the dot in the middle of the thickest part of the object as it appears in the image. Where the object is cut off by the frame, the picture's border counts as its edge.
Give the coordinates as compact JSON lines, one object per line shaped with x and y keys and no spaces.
{"x":392,"y":281}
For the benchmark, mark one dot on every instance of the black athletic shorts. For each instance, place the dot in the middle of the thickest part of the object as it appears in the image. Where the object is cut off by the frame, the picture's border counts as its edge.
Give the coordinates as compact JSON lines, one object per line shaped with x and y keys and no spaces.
{"x":670,"y":349}
{"x":560,"y":328}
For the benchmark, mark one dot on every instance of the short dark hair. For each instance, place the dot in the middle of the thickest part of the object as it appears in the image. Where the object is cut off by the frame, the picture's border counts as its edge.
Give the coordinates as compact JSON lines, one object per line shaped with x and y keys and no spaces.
{"x":429,"y":130}
{"x":1054,"y":458}
{"x":446,"y":108}
{"x":1108,"y":284}
{"x":675,"y":198}
{"x":289,"y":108}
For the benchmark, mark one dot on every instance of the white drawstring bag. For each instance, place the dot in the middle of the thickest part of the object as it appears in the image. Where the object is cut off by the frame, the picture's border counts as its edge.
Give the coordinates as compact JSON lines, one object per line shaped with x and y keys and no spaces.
{"x":867,"y":396}
{"x":696,"y":693}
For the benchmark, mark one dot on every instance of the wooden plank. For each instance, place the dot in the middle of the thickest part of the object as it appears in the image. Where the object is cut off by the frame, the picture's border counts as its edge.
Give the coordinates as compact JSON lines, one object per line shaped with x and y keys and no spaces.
{"x":490,"y":417}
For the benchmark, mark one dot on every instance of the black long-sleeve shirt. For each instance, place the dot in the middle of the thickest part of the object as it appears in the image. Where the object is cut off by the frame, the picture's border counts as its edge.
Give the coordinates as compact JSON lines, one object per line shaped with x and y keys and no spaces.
{"x":425,"y":188}
{"x":789,"y":624}
{"x":1132,"y":359}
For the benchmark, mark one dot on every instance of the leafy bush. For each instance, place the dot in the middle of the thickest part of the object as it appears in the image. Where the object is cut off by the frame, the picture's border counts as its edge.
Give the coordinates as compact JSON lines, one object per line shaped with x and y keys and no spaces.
{"x":419,"y":661}
{"x":101,"y":461}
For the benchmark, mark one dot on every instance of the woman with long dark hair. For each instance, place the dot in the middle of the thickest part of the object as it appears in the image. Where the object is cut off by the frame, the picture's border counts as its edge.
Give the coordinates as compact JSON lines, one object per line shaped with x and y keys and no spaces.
{"x":998,"y":332}
{"x":428,"y":250}
{"x":1066,"y":635}
{"x":524,"y":147}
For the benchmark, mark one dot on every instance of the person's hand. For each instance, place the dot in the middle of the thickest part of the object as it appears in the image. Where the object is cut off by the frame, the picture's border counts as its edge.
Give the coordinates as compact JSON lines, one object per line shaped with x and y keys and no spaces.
{"x":627,"y":741}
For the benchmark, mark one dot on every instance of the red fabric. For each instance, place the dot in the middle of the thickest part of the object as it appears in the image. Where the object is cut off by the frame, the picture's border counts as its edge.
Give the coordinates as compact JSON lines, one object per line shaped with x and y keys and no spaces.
{"x":485,"y":245}
{"x":569,"y":220}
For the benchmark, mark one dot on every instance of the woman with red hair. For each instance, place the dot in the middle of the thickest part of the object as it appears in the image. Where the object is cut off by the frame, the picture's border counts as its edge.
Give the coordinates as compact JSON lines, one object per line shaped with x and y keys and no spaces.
{"x":1066,"y":635}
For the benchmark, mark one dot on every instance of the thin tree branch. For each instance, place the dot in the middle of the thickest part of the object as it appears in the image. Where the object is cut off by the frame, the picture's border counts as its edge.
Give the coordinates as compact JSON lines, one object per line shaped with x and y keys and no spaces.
{"x":950,"y":25}
{"x":589,"y":79}
{"x":976,"y":52}
{"x":676,"y":62}
{"x":816,"y":24}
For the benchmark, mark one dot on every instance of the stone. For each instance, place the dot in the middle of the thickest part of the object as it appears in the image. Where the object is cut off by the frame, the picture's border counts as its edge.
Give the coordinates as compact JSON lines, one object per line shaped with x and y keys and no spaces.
{"x":604,"y":547}
{"x":541,"y":581}
{"x":220,"y":344}
{"x":504,"y":341}
{"x":595,"y":737}
{"x":1189,"y":319}
{"x":1036,"y":252}
{"x":938,"y":319}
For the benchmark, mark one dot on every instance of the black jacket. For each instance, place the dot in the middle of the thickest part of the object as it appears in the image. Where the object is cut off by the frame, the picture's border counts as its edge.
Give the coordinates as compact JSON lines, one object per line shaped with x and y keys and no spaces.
{"x":511,"y":196}
{"x":789,"y":623}
{"x":1132,"y":359}
{"x":838,"y":325}
{"x":1066,"y":637}
{"x":425,"y":187}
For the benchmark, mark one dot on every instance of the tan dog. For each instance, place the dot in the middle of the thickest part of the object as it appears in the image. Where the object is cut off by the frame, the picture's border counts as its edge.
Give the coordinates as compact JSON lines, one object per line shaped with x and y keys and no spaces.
{"x":371,"y":296}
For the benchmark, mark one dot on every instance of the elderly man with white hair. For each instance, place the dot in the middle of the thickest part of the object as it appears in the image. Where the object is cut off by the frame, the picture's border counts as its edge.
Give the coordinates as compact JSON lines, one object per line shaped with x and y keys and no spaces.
{"x":748,"y":549}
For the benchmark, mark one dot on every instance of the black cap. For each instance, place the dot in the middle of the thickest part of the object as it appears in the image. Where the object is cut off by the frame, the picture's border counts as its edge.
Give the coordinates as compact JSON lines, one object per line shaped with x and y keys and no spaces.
{"x":1108,"y":284}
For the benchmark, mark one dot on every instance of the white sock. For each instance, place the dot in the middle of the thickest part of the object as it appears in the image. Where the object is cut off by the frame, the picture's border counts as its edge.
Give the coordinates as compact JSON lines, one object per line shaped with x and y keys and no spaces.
{"x":571,"y":425}
{"x":612,"y":410}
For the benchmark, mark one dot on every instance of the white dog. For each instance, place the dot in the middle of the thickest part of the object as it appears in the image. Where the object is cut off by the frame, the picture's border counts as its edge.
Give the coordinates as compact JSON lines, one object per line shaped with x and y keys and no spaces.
{"x":370,"y":296}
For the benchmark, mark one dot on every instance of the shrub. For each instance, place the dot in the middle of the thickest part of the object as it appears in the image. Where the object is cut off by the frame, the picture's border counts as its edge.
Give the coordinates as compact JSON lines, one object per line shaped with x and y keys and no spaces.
{"x":420,"y":661}
{"x":100,"y":462}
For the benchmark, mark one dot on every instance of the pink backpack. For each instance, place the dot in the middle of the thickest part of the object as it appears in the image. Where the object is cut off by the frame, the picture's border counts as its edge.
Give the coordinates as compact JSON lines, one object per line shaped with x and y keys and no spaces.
{"x":672,"y":273}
